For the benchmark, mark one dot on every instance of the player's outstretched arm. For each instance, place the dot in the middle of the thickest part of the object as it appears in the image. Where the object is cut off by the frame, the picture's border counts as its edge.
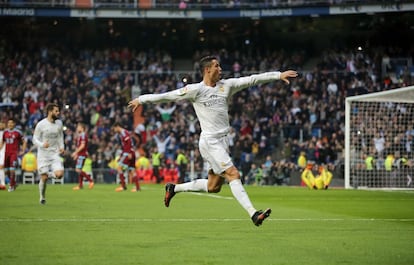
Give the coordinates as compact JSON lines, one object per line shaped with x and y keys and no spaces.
{"x":284,"y":76}
{"x":133,"y":104}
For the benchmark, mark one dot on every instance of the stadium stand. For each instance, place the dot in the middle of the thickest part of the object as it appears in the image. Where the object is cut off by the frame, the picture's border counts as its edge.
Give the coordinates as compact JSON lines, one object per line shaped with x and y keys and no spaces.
{"x":184,"y":4}
{"x":93,"y":84}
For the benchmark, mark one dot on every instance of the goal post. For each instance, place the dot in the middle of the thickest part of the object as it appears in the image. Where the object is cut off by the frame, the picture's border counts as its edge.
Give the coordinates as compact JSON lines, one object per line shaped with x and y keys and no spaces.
{"x":379,"y":140}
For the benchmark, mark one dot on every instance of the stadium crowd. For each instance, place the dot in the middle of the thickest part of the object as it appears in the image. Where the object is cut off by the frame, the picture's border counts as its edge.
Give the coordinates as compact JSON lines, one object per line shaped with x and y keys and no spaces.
{"x":274,"y":120}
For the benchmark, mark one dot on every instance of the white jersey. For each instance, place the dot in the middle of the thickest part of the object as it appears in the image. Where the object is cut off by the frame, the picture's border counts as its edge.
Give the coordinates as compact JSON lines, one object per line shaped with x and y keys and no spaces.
{"x":52,"y":132}
{"x":211,"y":103}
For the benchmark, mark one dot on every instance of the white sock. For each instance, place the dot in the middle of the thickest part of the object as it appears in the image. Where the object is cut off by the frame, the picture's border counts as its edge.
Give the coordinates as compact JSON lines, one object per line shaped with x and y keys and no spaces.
{"x":42,"y":188}
{"x":195,"y":185}
{"x":241,"y":196}
{"x":2,"y":177}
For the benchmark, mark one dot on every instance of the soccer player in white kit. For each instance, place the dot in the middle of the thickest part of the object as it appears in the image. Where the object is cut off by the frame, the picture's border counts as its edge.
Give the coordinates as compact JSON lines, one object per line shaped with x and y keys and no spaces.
{"x":210,"y":101}
{"x":48,"y":137}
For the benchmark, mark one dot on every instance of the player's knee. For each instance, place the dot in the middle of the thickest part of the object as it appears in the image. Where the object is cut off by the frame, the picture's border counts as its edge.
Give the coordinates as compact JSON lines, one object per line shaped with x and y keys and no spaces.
{"x":232,"y":174}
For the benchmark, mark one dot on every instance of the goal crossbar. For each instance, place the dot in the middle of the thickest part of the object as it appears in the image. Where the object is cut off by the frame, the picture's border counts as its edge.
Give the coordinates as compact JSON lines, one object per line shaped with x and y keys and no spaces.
{"x":370,"y":119}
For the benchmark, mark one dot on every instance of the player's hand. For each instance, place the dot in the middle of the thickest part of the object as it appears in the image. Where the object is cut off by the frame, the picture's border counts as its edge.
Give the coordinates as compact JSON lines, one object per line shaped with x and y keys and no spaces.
{"x":46,"y":144}
{"x":61,"y":150}
{"x":74,"y":156}
{"x":284,"y":76}
{"x":134,"y":104}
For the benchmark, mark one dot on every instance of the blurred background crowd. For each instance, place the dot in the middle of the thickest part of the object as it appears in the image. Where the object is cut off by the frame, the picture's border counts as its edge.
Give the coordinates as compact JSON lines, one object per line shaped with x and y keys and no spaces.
{"x":272,"y":124}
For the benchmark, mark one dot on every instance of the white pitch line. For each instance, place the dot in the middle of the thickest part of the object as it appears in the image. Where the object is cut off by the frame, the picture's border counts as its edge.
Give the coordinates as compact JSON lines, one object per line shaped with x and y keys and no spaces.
{"x":212,"y":195}
{"x":114,"y":220}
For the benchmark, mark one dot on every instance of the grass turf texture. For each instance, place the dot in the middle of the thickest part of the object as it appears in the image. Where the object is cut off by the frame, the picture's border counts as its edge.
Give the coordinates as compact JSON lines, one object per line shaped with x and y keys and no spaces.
{"x":101,"y":226}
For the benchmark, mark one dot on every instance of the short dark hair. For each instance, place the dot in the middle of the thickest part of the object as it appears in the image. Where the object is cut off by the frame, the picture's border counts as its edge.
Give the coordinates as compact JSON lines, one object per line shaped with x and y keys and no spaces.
{"x":81,"y":124}
{"x":51,"y":106}
{"x":206,"y":62}
{"x":116,"y":124}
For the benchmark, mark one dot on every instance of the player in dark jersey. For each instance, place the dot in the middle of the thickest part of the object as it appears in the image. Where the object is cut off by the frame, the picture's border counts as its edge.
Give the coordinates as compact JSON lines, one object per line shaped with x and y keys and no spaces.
{"x":12,"y":139}
{"x":80,"y":155}
{"x":126,"y":161}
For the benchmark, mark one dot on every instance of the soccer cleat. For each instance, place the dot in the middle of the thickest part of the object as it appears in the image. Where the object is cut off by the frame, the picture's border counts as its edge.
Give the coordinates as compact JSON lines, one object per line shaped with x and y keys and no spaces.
{"x":11,"y":189}
{"x":2,"y":187}
{"x":119,"y":189}
{"x":135,"y":190}
{"x":91,"y":184}
{"x":76,"y":188}
{"x":169,"y":193}
{"x":42,"y":201}
{"x":259,"y":216}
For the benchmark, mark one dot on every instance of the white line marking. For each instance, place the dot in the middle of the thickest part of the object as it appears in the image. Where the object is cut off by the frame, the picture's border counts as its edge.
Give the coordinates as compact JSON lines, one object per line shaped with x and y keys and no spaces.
{"x":212,"y":195}
{"x":113,"y":220}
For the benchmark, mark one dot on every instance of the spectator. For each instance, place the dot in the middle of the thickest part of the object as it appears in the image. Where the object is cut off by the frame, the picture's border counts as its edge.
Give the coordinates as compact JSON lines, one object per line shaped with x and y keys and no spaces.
{"x":29,"y":162}
{"x":182,"y":162}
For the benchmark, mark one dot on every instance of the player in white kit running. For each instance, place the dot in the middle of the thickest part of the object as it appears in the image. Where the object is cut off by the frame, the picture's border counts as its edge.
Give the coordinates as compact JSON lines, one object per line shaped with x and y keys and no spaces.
{"x":210,"y":101}
{"x":48,"y":137}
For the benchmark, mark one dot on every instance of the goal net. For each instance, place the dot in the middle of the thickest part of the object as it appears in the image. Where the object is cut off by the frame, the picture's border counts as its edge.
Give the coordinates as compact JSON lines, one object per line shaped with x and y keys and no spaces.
{"x":379,"y":131}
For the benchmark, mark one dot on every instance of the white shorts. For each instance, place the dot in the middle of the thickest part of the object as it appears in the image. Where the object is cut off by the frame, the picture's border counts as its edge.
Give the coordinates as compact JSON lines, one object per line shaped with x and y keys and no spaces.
{"x":53,"y":164}
{"x":2,"y":155}
{"x":216,"y":152}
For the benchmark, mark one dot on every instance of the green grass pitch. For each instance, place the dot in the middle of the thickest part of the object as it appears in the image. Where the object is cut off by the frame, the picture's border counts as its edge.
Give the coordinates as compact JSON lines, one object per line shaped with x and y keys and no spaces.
{"x":100,"y":227}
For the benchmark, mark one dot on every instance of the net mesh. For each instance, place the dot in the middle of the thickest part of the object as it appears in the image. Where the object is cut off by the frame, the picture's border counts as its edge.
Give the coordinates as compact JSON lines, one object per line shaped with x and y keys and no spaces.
{"x":381,"y":144}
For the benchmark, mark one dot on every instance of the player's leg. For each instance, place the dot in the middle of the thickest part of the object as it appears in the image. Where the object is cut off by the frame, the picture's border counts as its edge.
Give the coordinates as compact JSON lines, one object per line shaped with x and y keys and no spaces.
{"x":132,"y":173}
{"x":212,"y":184}
{"x":11,"y":168}
{"x":89,"y":179}
{"x":215,"y":151}
{"x":42,"y":187}
{"x":56,"y":167}
{"x":2,"y":178}
{"x":2,"y":173}
{"x":232,"y":175}
{"x":82,"y":174}
{"x":135,"y":178}
{"x":197,"y":185}
{"x":43,"y":171}
{"x":319,"y":183}
{"x":12,"y":177}
{"x":327,"y":178}
{"x":122,"y":166}
{"x":214,"y":154}
{"x":78,"y":168}
{"x":308,"y":178}
{"x":80,"y":180}
{"x":214,"y":181}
